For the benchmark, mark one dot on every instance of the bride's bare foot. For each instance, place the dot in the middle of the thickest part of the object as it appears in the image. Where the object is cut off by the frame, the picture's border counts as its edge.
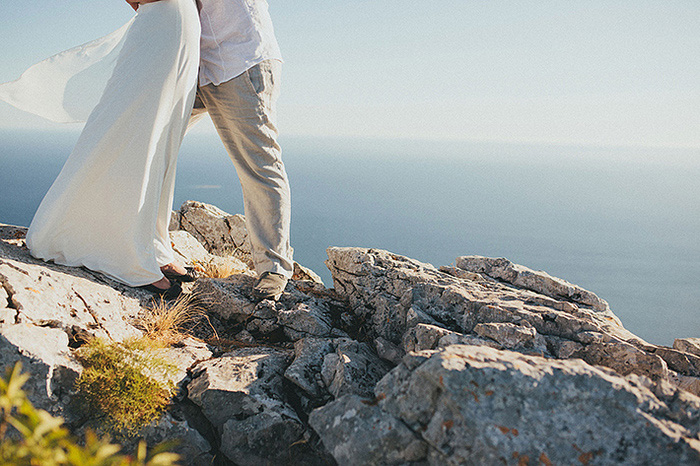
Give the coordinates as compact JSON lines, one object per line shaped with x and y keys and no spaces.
{"x":177,"y":272}
{"x":162,"y":284}
{"x":174,"y":268}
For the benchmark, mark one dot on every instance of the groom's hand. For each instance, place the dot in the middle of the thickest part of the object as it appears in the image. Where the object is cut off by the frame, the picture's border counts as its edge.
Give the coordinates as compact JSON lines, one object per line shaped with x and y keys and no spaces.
{"x":135,"y":3}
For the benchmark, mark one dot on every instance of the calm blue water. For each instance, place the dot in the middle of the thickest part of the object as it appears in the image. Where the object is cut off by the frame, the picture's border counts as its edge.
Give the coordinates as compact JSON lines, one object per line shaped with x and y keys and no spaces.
{"x":621,"y":222}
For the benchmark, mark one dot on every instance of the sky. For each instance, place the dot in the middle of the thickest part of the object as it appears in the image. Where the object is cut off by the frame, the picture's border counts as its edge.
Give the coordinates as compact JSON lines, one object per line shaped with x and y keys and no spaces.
{"x":594,"y":72}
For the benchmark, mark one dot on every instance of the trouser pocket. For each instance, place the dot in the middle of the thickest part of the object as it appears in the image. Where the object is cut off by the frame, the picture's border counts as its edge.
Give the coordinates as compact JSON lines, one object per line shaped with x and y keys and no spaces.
{"x":264,"y":79}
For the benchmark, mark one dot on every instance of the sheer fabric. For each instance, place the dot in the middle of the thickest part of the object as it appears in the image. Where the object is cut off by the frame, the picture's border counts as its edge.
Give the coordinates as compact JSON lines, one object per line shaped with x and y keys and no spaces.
{"x":66,"y":87}
{"x":109,"y":208}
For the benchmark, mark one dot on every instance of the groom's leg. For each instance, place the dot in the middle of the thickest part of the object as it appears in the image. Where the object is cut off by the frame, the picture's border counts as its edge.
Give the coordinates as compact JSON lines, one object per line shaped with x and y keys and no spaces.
{"x":198,"y":112}
{"x":244,"y":113}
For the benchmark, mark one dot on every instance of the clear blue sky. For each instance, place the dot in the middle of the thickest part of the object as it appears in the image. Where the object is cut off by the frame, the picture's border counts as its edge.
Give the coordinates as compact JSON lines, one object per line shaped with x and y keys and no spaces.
{"x":553,"y":71}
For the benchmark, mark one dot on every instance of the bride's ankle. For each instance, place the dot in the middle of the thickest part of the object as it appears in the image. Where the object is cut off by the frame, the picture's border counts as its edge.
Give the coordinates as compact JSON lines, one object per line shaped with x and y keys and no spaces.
{"x":163,"y":283}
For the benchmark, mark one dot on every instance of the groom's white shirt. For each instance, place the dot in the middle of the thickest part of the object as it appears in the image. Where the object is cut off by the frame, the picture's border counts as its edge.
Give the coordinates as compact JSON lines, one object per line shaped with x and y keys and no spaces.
{"x":236,"y":35}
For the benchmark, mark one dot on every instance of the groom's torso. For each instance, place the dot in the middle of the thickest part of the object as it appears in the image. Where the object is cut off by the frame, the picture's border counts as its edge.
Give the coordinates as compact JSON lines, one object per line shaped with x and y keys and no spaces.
{"x":236,"y":35}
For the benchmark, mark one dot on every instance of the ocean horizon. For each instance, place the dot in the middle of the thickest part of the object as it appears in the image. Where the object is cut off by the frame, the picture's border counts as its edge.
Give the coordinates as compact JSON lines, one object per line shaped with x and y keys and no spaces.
{"x":621,"y":222}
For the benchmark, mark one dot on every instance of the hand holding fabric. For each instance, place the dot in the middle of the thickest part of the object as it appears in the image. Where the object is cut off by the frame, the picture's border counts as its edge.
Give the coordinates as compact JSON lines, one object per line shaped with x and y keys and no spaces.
{"x":135,"y":3}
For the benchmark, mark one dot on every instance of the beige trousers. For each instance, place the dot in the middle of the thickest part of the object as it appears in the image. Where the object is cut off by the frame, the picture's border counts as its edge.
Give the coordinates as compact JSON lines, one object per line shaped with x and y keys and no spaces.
{"x":244,"y":113}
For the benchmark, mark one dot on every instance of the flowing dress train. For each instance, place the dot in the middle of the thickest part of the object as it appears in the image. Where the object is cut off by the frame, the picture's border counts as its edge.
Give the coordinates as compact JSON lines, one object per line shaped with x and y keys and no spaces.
{"x":109,"y":208}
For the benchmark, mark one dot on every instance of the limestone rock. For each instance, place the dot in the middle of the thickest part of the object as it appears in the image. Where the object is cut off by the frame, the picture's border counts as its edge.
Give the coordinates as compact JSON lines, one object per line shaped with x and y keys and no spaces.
{"x":689,"y":384}
{"x":688,"y":345}
{"x":352,"y":369}
{"x":187,"y":249}
{"x":183,"y":357}
{"x":451,"y":398}
{"x":413,"y":304}
{"x":511,"y":336}
{"x":339,"y":366}
{"x":304,"y":320}
{"x":7,"y":314}
{"x":264,"y":439}
{"x":227,"y":298}
{"x":221,"y":233}
{"x":193,"y":449}
{"x":523,"y":277}
{"x":423,"y":336}
{"x":477,"y":405}
{"x":426,"y":337}
{"x":296,"y":315}
{"x":355,"y":432}
{"x":683,"y":362}
{"x":305,"y":371}
{"x":45,"y":356}
{"x":225,"y":235}
{"x":388,"y":351}
{"x":625,"y":359}
{"x":241,"y":394}
{"x":242,"y":383}
{"x":174,"y":224}
{"x":305,"y":273}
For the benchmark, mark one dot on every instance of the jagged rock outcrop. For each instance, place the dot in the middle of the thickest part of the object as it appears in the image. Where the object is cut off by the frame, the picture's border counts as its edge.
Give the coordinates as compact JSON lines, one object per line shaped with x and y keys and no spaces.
{"x":403,"y":301}
{"x":223,"y":234}
{"x":487,"y":362}
{"x":477,"y":405}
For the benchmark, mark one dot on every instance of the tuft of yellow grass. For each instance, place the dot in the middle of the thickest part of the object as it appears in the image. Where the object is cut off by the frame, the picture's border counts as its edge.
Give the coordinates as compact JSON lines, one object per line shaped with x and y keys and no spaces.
{"x":217,"y":268}
{"x":166,"y":321}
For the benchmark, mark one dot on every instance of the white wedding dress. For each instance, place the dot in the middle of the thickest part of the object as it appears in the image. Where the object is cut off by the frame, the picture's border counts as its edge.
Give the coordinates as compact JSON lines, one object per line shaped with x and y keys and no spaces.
{"x":109,"y":208}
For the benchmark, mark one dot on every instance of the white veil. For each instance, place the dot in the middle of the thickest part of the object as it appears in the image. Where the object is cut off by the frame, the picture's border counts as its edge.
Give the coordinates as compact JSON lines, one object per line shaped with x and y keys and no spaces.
{"x":65,"y":88}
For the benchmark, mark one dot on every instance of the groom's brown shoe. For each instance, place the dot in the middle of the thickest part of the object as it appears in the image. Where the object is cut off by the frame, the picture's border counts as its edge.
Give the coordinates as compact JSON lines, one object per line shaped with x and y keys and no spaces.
{"x":270,"y":285}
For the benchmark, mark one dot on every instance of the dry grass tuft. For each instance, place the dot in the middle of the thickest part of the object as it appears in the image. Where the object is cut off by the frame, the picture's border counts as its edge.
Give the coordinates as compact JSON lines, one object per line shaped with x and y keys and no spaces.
{"x":167,"y":322}
{"x":218,"y":268}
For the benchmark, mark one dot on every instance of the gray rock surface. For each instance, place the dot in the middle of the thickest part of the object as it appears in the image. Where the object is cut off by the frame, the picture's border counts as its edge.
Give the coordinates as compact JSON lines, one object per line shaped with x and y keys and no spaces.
{"x":477,"y":405}
{"x":352,"y":368}
{"x":688,"y":345}
{"x":264,"y":439}
{"x":425,"y":336}
{"x":538,"y":281}
{"x":393,"y":295}
{"x":227,"y":298}
{"x":356,"y":432}
{"x":45,"y":356}
{"x":183,"y":357}
{"x":305,"y":370}
{"x":512,"y":336}
{"x":301,"y":312}
{"x":221,"y":233}
{"x":305,"y":273}
{"x":192,"y":447}
{"x":241,"y":393}
{"x":239,"y":384}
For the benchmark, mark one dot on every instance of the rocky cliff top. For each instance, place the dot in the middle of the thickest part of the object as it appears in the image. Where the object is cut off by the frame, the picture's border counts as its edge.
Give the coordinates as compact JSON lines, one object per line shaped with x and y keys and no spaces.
{"x":485,"y":362}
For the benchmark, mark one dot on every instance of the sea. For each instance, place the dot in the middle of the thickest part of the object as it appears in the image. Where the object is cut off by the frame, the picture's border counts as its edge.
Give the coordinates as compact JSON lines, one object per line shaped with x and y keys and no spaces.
{"x":622,"y":222}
